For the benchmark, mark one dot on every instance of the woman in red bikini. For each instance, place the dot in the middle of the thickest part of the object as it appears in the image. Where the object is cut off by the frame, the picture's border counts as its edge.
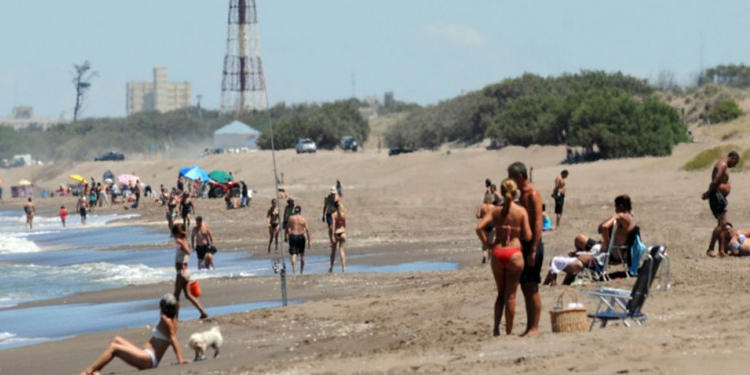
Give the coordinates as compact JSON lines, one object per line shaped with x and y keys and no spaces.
{"x":511,"y":226}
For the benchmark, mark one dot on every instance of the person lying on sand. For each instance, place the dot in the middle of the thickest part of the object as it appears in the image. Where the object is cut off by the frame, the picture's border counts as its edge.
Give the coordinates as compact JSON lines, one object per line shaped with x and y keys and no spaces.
{"x":163,"y":336}
{"x":734,"y":241}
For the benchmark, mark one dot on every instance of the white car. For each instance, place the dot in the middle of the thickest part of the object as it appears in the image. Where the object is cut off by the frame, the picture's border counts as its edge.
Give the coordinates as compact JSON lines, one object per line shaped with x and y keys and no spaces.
{"x":306,"y":145}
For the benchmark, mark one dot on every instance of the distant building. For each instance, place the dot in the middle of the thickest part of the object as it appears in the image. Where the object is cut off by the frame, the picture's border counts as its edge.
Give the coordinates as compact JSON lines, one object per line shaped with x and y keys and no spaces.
{"x":22,"y":117}
{"x":388,"y":99}
{"x":158,"y":95}
{"x":236,"y":134}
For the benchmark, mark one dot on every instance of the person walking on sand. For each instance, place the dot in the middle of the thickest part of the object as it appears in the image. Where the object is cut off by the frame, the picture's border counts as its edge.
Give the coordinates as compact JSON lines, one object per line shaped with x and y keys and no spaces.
{"x":339,"y":236}
{"x":186,"y":209}
{"x":171,"y":209}
{"x":30,"y":210}
{"x":533,"y":250}
{"x":558,"y":194}
{"x":272,"y":222}
{"x":82,"y":207}
{"x":181,"y":266}
{"x":298,"y":231}
{"x":201,"y":240}
{"x":162,"y":337}
{"x":288,"y":212}
{"x":512,"y":223}
{"x":489,"y":230}
{"x":717,"y":193}
{"x":329,"y":206}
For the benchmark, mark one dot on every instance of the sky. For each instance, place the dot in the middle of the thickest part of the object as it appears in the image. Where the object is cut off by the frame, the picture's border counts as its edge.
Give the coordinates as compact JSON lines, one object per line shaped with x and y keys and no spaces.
{"x":424,"y":51}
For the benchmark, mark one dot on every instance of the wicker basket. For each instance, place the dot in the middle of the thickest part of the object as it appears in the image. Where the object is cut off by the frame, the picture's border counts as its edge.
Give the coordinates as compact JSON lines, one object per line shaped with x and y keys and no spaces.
{"x":568,"y":319}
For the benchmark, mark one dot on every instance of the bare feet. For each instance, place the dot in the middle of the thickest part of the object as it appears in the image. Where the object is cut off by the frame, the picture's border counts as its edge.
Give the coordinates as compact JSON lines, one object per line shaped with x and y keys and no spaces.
{"x":496,"y":331}
{"x":711,"y":253}
{"x":530,"y":332}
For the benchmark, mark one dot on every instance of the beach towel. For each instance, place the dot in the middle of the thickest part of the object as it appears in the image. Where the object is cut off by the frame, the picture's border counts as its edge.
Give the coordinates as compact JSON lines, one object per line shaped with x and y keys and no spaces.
{"x":636,"y":252}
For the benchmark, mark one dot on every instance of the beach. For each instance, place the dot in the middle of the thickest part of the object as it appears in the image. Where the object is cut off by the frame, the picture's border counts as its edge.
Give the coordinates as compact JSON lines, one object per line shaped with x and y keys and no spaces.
{"x":417,"y":299}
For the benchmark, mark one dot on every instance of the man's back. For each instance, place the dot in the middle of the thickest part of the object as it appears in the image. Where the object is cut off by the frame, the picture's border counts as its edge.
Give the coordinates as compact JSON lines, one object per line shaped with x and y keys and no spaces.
{"x":297,"y":224}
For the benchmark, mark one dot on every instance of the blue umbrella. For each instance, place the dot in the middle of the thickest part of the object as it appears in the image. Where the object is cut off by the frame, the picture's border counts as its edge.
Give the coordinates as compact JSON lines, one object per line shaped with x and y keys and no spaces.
{"x":195,"y":173}
{"x":184,"y":170}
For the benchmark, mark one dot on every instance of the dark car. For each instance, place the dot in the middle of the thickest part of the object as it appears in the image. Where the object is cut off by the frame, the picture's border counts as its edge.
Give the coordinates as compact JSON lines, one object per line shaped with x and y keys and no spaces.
{"x":496,"y":144}
{"x":110,"y":156}
{"x":399,"y":150}
{"x":349,"y":143}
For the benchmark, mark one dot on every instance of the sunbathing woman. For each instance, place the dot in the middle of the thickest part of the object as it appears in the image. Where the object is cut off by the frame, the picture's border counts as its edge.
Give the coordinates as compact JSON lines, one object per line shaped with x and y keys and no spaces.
{"x":163,"y":336}
{"x":511,"y":225}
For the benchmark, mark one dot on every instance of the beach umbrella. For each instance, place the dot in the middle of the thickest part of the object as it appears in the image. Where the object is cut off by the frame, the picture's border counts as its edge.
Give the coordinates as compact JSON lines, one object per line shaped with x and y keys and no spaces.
{"x":196,"y":173}
{"x":79,"y":178}
{"x":126,"y":179}
{"x":24,"y":182}
{"x":220,"y":176}
{"x":185,"y":170}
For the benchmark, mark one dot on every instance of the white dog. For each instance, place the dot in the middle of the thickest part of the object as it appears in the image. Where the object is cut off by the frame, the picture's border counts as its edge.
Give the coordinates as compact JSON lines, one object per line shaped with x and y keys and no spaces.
{"x":200,"y":341}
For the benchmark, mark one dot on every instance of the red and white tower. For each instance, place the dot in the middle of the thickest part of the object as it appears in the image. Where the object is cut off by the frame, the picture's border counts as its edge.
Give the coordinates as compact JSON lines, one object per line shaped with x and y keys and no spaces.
{"x":243,"y":85}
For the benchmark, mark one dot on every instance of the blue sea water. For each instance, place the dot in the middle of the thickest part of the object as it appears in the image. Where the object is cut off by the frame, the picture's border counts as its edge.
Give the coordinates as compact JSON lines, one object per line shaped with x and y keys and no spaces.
{"x":51,"y":262}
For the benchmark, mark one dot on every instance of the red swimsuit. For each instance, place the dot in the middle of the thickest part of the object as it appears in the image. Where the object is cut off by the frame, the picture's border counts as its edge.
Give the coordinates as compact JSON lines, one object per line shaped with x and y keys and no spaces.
{"x":502,"y":254}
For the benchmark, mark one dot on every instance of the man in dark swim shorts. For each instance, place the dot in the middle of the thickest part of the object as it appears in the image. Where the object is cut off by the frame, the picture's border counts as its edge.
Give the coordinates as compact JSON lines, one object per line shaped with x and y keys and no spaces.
{"x":558,"y":194}
{"x":201,"y":240}
{"x":533,"y":251}
{"x":717,"y":193}
{"x":297,"y":230}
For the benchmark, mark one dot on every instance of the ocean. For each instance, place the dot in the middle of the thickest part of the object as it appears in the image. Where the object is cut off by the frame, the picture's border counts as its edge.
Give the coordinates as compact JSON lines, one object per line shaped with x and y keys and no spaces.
{"x":51,"y":262}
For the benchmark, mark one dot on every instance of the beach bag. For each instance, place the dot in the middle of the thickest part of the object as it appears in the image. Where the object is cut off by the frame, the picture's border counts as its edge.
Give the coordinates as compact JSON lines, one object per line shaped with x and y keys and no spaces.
{"x":570,"y":317}
{"x":636,"y":253}
{"x":195,"y":288}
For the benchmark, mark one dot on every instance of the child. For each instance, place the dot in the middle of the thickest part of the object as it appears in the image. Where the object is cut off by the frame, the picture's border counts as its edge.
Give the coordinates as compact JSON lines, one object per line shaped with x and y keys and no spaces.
{"x":63,"y":215}
{"x":546,"y":221}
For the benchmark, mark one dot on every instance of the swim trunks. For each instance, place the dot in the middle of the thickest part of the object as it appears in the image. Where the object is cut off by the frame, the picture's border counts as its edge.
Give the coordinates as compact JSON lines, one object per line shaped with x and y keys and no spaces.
{"x":82,"y":212}
{"x":532,"y":273}
{"x":201,"y":250}
{"x":559,"y":202}
{"x":718,"y":203}
{"x":329,"y":219}
{"x":296,"y":244}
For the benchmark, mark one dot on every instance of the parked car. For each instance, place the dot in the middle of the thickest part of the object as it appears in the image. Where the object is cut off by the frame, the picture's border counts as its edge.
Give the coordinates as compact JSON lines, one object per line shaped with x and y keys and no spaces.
{"x":399,"y":150}
{"x":349,"y":143}
{"x":110,"y":156}
{"x":496,"y":144}
{"x":306,"y":145}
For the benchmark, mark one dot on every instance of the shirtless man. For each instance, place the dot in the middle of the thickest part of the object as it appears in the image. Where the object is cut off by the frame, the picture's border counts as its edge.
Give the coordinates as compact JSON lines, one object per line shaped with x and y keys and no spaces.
{"x":297,"y":230}
{"x":201,"y":241}
{"x":329,"y":206}
{"x":717,"y":193}
{"x":533,"y":251}
{"x":625,"y":224}
{"x":272,"y":222}
{"x":558,"y":194}
{"x":30,"y":209}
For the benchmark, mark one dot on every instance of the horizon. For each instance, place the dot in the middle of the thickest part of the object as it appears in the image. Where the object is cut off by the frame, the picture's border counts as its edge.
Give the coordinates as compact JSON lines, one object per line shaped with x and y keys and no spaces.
{"x":427,"y":52}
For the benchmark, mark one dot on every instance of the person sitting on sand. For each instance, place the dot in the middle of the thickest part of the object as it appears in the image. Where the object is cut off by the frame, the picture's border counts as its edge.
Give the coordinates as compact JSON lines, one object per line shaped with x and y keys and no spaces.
{"x":163,"y":336}
{"x":546,"y":221}
{"x":512,"y":225}
{"x":625,"y":224}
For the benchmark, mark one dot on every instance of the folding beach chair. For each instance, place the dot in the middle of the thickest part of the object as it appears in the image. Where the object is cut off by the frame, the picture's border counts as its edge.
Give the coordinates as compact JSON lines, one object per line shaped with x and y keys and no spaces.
{"x":620,"y":304}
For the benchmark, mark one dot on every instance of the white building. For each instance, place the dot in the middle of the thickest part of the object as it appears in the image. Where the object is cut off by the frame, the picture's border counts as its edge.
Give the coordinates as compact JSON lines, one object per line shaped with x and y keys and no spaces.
{"x":159,"y":95}
{"x":236,"y":134}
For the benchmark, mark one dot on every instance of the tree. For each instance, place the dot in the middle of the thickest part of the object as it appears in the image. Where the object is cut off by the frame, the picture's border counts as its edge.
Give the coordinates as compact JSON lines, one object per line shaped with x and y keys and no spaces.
{"x":726,"y":109}
{"x":82,"y":81}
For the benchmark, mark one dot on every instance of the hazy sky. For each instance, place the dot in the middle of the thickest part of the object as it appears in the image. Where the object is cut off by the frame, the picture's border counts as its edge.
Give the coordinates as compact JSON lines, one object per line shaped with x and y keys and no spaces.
{"x":423,"y":50}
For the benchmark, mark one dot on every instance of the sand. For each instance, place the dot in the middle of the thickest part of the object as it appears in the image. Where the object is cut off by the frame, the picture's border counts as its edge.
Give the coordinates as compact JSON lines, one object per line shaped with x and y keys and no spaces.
{"x":421,"y":206}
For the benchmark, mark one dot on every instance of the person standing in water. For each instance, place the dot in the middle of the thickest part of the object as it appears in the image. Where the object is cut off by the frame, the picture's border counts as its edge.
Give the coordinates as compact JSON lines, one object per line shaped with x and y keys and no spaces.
{"x":272,"y":222}
{"x":30,"y":209}
{"x":298,"y":231}
{"x":181,"y":266}
{"x":82,"y":207}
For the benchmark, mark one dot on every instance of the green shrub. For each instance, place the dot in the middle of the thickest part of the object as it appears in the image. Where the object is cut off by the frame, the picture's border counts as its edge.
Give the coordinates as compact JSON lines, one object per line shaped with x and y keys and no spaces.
{"x":708,"y":158}
{"x":726,"y":110}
